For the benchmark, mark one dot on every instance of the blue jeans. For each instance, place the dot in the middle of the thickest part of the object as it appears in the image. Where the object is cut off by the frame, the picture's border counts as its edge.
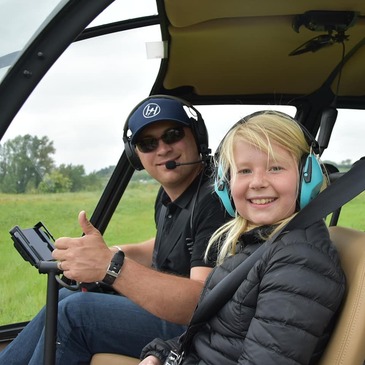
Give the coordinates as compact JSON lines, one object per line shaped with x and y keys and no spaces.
{"x":89,"y":323}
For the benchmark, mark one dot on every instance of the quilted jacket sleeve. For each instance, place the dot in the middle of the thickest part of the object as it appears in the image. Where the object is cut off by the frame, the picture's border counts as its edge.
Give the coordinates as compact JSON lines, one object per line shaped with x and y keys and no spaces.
{"x":159,"y":348}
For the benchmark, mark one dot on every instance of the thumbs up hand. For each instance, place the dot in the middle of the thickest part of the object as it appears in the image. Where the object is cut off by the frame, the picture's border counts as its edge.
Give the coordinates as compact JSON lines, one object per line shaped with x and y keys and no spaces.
{"x":84,"y":259}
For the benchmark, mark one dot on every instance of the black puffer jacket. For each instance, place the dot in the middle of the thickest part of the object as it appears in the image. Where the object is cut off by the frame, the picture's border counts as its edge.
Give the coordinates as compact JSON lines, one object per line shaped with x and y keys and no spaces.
{"x":282,"y":313}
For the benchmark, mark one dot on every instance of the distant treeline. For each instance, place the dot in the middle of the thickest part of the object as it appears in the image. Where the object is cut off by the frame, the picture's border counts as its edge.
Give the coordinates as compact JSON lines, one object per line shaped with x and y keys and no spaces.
{"x":27,"y":166}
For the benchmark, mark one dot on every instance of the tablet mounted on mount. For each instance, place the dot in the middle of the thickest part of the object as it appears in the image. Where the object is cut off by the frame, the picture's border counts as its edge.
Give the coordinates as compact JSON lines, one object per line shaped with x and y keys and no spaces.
{"x":35,"y":245}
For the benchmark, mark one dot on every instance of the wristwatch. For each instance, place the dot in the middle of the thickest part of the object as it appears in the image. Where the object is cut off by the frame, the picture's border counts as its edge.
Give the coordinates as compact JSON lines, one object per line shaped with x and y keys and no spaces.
{"x":114,"y":268}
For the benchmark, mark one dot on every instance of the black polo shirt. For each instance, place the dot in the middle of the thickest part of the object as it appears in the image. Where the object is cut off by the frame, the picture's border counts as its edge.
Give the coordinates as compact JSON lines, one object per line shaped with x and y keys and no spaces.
{"x":186,"y":225}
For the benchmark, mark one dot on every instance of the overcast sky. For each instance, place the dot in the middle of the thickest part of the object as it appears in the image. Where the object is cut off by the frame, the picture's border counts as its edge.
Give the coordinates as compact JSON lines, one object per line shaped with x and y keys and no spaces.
{"x":85,"y":98}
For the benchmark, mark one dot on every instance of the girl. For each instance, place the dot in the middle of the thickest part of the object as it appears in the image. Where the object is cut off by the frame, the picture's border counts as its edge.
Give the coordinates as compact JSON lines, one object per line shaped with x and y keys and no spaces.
{"x":284,"y":310}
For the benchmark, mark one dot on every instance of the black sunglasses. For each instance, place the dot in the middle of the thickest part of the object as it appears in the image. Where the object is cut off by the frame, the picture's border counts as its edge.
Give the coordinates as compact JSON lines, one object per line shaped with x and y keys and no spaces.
{"x":171,"y":136}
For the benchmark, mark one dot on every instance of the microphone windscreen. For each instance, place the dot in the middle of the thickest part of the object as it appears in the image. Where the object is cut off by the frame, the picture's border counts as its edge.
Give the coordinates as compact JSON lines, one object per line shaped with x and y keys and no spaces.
{"x":170,"y":165}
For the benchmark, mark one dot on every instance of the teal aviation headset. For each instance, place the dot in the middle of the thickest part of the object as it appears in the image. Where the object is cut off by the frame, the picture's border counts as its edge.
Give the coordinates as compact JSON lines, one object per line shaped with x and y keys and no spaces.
{"x":311,"y":175}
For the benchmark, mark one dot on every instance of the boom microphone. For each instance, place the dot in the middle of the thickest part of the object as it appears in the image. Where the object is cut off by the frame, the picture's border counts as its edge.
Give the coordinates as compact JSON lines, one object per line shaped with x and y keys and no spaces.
{"x":170,"y":165}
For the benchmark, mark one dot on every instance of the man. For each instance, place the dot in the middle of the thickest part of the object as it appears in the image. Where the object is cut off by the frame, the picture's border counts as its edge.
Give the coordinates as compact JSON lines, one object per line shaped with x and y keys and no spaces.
{"x":159,"y":280}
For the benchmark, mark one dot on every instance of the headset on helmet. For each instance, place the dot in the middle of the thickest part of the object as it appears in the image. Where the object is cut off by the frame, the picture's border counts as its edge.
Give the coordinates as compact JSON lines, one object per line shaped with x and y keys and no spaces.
{"x":311,"y":175}
{"x":196,"y":124}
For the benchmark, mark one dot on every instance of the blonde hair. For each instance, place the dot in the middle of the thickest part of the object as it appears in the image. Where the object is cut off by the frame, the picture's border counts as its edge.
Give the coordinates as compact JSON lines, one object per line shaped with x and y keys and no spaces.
{"x":261,"y":130}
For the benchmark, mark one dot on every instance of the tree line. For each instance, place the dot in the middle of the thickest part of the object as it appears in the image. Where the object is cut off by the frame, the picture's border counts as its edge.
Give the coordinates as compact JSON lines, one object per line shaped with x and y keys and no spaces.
{"x":27,"y":166}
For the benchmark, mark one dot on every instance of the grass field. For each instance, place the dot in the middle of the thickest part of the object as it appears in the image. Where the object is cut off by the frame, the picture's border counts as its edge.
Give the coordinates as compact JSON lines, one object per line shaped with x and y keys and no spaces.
{"x":22,"y":288}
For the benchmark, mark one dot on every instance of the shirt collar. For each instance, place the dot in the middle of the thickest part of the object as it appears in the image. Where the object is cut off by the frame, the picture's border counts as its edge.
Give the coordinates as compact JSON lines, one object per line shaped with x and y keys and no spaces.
{"x":184,"y":199}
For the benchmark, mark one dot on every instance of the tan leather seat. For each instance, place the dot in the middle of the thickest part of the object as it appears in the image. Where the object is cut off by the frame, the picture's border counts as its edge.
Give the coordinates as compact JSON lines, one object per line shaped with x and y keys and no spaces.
{"x":113,"y":359}
{"x":346,"y":346}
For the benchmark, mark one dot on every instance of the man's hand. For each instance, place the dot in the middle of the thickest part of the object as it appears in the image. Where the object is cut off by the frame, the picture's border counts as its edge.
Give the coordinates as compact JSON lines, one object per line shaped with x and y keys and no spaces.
{"x":84,"y":259}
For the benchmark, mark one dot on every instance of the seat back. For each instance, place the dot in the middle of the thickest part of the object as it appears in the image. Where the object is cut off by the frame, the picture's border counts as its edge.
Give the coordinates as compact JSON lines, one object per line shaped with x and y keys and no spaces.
{"x":346,"y":346}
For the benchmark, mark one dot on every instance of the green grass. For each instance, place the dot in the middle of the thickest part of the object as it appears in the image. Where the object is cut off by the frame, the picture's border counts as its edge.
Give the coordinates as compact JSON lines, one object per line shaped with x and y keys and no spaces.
{"x":353,"y":214}
{"x":23,"y":289}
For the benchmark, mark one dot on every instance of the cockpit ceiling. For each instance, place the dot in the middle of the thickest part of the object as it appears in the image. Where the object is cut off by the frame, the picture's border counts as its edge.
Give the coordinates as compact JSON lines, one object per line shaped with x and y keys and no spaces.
{"x":241,"y":47}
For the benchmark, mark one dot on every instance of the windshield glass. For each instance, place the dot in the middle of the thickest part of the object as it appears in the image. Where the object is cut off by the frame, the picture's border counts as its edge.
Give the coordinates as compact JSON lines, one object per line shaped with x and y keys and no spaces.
{"x":74,"y":122}
{"x":19,"y":21}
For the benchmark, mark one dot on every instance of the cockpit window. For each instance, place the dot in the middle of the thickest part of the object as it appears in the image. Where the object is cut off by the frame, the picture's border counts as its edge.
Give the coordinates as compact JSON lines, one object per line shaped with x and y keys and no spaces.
{"x":19,"y":22}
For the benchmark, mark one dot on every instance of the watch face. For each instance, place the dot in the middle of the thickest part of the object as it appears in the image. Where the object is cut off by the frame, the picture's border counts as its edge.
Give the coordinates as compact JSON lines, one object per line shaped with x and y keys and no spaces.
{"x":114,"y":268}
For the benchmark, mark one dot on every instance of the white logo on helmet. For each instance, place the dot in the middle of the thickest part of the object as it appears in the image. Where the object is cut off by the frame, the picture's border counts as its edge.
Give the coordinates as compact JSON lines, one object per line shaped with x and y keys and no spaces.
{"x":151,"y":110}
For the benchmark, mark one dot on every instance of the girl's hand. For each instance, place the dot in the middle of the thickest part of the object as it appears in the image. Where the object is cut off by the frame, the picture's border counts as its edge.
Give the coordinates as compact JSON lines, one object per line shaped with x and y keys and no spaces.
{"x":151,"y":360}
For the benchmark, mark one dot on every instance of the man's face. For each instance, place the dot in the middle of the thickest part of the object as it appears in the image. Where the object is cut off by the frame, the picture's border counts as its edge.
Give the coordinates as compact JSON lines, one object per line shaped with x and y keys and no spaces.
{"x":184,"y":150}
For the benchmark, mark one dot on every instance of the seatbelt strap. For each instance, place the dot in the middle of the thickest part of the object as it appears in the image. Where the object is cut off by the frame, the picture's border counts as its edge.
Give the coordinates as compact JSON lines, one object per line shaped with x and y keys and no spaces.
{"x":347,"y":187}
{"x":333,"y":197}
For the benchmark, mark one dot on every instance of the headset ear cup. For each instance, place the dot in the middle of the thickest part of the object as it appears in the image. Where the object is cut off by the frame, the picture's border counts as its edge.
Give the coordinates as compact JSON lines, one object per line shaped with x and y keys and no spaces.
{"x":132,"y":156}
{"x":221,"y":187}
{"x":201,"y":134}
{"x":311,"y":180}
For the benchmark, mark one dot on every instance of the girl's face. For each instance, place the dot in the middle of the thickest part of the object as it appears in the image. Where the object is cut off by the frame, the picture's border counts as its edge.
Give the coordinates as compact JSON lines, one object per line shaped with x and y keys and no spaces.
{"x":264,"y":189}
